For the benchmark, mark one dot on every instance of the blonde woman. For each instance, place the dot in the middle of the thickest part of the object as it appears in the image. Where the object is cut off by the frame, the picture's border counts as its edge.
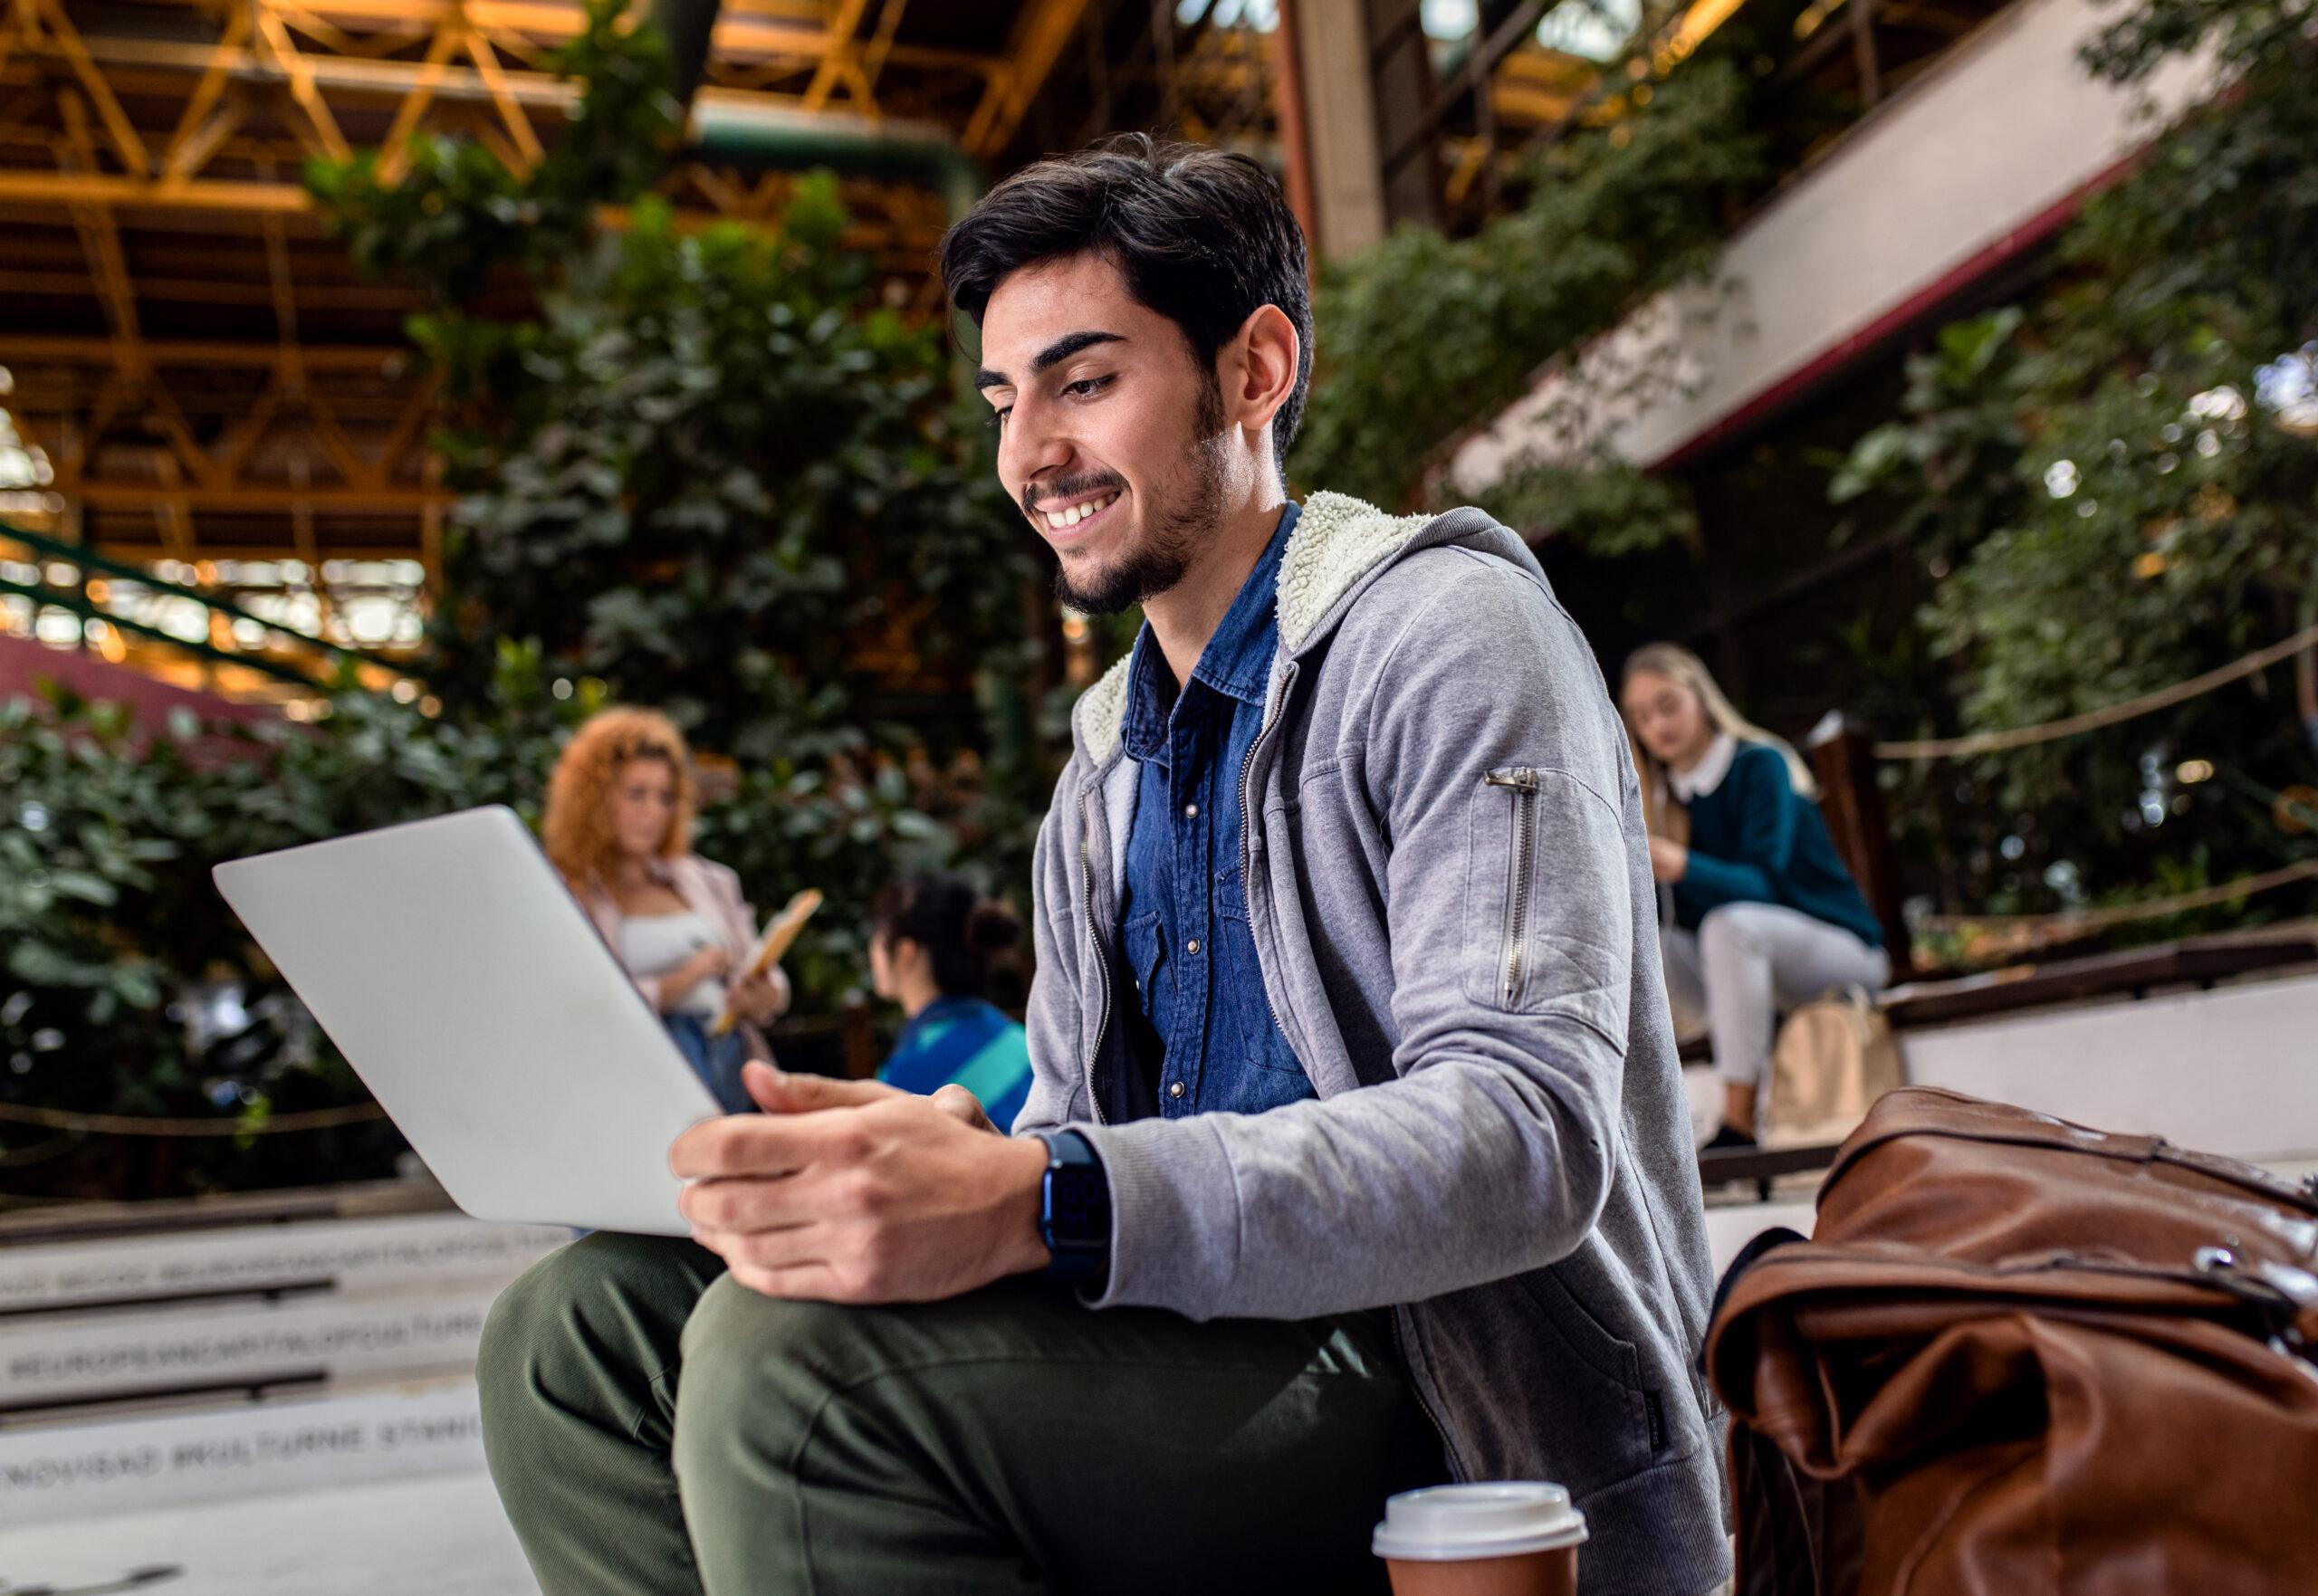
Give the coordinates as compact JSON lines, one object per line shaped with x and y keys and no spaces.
{"x":618,"y":825}
{"x":1765,"y":914}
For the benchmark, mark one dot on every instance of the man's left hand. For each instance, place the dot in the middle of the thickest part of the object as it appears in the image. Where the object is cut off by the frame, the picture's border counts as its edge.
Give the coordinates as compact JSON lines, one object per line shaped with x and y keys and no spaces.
{"x":853,"y":1191}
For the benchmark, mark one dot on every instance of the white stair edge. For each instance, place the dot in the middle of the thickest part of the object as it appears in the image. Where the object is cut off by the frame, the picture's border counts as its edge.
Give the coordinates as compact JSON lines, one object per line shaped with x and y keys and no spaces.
{"x":342,"y":1437}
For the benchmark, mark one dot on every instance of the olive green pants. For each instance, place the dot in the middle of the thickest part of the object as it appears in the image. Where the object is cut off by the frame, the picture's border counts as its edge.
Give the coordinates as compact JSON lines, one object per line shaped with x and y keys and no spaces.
{"x":654,"y":1429}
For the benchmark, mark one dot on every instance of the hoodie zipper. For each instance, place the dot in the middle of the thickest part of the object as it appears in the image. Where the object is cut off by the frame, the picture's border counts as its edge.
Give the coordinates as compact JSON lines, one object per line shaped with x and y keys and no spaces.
{"x":1088,"y":803}
{"x":1247,"y":835}
{"x":1416,"y":1389}
{"x":1248,"y":886}
{"x":1523,"y":783}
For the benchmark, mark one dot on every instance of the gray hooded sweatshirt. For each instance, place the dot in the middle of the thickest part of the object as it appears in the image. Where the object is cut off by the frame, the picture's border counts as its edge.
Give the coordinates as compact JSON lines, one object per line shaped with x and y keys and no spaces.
{"x":1449,"y":884}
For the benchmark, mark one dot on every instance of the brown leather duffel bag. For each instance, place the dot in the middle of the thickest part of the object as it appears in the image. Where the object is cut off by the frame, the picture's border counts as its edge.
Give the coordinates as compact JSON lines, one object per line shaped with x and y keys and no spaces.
{"x":2020,"y":1356}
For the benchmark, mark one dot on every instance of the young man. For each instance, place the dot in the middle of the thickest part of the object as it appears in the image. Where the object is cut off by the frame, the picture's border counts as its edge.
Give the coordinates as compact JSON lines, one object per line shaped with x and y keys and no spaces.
{"x":1356,"y":1157}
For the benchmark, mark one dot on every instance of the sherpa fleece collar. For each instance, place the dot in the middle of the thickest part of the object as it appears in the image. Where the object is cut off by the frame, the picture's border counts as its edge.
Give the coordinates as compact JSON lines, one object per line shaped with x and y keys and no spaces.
{"x":1337,"y":541}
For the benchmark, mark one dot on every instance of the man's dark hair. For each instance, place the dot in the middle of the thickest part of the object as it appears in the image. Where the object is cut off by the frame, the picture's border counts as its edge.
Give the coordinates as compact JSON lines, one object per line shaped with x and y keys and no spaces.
{"x":1203,"y":237}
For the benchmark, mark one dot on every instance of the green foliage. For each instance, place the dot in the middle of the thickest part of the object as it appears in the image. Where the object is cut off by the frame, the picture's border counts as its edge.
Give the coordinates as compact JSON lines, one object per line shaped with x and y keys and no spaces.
{"x":703,"y":470}
{"x":459,"y":214}
{"x":2118,"y":475}
{"x":717,"y":480}
{"x":1608,"y":507}
{"x":1957,"y":448}
{"x":1422,"y":336}
{"x":118,"y":944}
{"x":115,"y":938}
{"x":710,"y":471}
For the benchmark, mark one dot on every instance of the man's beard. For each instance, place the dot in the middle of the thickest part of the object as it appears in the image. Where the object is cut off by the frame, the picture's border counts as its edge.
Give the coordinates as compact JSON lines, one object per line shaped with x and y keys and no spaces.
{"x":1177,"y":527}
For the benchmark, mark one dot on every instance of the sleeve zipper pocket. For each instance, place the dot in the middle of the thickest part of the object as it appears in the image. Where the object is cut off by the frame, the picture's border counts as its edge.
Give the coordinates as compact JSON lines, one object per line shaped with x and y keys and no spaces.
{"x":1521,"y":781}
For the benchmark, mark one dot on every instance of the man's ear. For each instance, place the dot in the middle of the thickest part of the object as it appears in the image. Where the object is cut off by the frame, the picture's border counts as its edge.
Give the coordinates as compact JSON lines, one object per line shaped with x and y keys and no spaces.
{"x":1258,"y":369}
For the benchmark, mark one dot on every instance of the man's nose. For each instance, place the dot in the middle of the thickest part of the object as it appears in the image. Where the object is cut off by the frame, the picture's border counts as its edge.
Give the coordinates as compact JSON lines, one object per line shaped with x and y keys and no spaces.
{"x":1031,"y":448}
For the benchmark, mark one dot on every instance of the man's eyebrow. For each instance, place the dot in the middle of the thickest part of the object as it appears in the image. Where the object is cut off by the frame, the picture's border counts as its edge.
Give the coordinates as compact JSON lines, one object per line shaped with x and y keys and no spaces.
{"x":1053,"y":355}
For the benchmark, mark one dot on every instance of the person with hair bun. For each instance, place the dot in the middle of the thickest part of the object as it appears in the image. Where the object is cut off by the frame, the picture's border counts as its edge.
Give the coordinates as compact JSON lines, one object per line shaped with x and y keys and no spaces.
{"x":619,"y":827}
{"x":930,"y":951}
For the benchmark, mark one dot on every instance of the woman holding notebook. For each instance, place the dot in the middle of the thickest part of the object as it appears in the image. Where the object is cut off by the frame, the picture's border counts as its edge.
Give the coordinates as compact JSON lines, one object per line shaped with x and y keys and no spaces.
{"x":618,"y":825}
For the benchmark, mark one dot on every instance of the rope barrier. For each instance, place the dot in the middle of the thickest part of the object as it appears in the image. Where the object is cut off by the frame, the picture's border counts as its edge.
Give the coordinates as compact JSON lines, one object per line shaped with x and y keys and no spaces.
{"x":2077,"y":922}
{"x":1985,"y":742}
{"x":39,"y":1151}
{"x":130,"y":1124}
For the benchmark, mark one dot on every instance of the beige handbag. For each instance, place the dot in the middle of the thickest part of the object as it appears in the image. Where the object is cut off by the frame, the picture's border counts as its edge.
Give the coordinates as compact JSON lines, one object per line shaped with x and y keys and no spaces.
{"x":1834,"y":1057}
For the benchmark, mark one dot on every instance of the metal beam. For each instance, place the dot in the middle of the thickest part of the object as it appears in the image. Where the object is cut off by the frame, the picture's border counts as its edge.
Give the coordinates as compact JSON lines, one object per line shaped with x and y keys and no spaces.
{"x":1037,"y":40}
{"x":65,"y":40}
{"x":204,"y":108}
{"x":1479,"y":63}
{"x":164,"y":193}
{"x":25,"y":347}
{"x":246,"y":496}
{"x":738,"y":39}
{"x":842,"y":32}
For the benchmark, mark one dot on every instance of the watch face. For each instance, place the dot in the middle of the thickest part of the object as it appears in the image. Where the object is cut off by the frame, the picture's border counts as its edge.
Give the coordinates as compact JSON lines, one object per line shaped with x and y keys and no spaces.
{"x":1079,"y":1206}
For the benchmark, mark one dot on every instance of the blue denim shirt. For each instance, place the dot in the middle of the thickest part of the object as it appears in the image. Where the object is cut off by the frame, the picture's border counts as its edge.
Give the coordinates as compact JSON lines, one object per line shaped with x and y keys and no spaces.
{"x":1201,"y":1028}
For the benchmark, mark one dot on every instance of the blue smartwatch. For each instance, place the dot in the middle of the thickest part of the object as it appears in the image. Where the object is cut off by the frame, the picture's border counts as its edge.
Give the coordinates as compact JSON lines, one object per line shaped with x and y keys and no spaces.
{"x":1074,"y":1210}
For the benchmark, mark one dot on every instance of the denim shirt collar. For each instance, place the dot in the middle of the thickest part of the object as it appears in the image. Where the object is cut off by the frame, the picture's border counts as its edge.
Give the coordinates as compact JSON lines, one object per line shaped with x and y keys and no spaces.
{"x":1235,"y":662}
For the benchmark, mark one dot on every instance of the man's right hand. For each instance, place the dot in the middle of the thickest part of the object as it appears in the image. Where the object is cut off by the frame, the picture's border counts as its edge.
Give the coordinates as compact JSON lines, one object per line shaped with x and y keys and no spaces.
{"x":855,"y":1191}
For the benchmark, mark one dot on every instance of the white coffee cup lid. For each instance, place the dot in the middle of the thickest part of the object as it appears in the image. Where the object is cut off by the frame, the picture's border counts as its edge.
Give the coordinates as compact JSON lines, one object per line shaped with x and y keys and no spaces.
{"x":1455,"y":1523}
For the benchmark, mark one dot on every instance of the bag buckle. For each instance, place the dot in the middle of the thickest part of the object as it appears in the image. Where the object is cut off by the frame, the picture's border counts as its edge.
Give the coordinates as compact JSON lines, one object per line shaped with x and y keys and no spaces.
{"x":2298,"y":1286}
{"x":2283,"y":1292}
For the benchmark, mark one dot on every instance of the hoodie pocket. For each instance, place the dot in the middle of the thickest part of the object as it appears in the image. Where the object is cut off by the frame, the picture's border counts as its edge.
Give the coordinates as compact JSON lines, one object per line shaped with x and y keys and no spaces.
{"x":1520,"y":784}
{"x":1548,"y":921}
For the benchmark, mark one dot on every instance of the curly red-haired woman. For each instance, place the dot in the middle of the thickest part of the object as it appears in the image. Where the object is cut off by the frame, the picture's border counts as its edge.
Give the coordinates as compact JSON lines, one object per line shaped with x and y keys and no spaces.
{"x":618,"y":825}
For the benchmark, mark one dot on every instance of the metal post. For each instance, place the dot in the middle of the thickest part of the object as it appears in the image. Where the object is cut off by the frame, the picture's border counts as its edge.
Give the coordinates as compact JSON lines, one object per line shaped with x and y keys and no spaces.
{"x":1842,"y":758}
{"x":1863,"y":56}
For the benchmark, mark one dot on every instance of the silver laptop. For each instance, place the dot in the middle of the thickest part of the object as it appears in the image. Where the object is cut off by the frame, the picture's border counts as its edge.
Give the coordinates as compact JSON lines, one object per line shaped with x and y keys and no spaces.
{"x":471,"y":994}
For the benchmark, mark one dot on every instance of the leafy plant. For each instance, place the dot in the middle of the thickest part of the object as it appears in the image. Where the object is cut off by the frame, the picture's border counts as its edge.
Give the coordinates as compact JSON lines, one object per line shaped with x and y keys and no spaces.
{"x":458,"y":216}
{"x":1422,"y":337}
{"x":709,"y":470}
{"x":129,"y":987}
{"x":2111,"y":488}
{"x":722,"y":482}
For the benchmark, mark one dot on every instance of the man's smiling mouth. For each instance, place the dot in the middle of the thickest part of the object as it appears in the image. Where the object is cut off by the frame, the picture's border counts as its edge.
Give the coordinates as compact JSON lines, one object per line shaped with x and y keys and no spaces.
{"x":1063,"y":521}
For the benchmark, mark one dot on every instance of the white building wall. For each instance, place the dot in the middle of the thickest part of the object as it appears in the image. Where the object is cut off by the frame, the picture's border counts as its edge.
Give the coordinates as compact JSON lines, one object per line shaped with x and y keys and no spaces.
{"x":1938,"y":185}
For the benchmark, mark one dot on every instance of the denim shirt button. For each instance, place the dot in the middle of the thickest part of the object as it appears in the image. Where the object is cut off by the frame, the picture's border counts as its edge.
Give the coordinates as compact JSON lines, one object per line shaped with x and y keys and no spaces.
{"x":1191,"y":946}
{"x":1176,"y":1089}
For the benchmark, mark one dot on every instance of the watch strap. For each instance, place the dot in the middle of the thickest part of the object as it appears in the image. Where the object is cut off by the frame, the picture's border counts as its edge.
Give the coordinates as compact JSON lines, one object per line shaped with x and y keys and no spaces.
{"x":1074,"y":1209}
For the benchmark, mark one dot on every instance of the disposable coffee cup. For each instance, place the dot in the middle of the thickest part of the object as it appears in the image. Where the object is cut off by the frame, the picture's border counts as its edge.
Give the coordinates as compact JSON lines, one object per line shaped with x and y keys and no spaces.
{"x":1508,"y":1538}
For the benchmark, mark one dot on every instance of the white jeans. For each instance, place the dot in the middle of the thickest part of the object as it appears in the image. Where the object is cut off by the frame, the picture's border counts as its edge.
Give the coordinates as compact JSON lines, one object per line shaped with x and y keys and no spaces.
{"x":1746,"y":962}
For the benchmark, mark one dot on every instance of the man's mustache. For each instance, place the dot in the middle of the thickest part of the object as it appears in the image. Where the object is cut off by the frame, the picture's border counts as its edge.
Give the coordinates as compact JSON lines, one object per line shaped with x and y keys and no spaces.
{"x":1070,"y":487}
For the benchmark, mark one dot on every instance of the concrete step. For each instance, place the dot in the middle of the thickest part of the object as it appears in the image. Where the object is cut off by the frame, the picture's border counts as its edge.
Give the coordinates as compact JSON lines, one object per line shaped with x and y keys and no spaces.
{"x":185,"y":1317}
{"x":353,"y":1436}
{"x":116,"y":1355}
{"x":439,"y":1535}
{"x":350,"y":1257}
{"x":2232,"y":1071}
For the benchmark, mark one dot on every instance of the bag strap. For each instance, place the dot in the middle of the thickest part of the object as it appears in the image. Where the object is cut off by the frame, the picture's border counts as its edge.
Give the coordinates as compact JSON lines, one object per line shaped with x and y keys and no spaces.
{"x":1934,"y":1111}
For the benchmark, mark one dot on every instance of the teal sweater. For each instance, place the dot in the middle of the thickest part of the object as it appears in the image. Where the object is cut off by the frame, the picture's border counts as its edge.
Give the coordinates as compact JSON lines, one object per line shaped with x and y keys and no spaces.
{"x":1754,"y":839}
